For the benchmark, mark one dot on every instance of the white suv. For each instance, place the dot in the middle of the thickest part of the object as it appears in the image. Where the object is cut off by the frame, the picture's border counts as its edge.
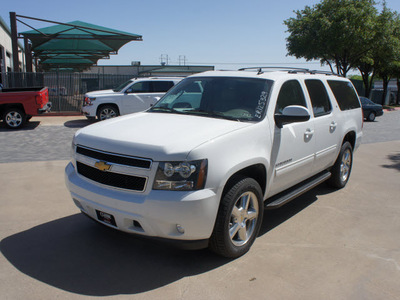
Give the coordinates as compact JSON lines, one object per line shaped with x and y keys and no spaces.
{"x":132,"y":96}
{"x":201,"y":164}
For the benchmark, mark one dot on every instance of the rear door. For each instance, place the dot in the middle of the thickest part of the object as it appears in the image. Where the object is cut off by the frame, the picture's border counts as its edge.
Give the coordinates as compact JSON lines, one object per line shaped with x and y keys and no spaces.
{"x":326,"y":134}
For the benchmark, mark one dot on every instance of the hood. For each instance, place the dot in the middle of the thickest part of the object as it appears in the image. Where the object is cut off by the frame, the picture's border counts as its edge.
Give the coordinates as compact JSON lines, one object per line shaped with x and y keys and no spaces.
{"x":158,"y":136}
{"x":100,"y":93}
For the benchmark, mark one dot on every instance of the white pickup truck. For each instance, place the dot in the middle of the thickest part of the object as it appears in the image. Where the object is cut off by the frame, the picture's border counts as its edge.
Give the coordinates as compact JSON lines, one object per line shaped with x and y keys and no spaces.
{"x":135,"y":95}
{"x":201,"y":165}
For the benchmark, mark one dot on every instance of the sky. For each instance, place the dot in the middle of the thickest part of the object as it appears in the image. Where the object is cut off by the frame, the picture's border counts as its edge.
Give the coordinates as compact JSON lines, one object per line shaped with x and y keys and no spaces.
{"x":227,"y":34}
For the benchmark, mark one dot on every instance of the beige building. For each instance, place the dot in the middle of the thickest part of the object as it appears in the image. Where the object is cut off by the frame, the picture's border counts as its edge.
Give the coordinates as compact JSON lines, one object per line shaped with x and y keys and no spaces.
{"x":6,"y":61}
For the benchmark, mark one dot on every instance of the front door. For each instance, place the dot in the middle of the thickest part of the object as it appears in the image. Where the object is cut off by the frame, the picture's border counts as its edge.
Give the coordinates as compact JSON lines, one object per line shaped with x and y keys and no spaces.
{"x":293,"y":144}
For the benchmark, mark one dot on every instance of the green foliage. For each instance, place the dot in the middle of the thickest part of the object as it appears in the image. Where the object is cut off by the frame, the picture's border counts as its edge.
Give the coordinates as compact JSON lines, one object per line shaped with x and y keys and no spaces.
{"x":336,"y":32}
{"x":348,"y":34}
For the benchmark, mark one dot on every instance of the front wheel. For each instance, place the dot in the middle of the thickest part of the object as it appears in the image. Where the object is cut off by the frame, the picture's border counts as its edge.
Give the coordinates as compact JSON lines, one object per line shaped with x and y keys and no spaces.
{"x":342,"y":168}
{"x":14,"y":118}
{"x":371,"y":116}
{"x":107,"y":112}
{"x":239,"y":219}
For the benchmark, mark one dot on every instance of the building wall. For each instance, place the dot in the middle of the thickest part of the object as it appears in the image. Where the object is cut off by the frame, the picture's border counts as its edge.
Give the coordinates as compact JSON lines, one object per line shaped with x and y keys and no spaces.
{"x":6,"y":61}
{"x":149,"y":70}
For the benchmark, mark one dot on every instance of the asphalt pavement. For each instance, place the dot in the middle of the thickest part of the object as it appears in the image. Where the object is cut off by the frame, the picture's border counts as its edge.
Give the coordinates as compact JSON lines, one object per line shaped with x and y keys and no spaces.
{"x":327,"y":244}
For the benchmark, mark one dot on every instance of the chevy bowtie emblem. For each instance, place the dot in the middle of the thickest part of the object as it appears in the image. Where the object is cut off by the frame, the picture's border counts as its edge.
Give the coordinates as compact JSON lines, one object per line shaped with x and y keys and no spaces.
{"x":102,"y":166}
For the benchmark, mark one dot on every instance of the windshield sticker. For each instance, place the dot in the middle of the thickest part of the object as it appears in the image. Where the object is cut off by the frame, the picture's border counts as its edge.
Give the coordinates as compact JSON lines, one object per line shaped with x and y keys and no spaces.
{"x":261,"y":104}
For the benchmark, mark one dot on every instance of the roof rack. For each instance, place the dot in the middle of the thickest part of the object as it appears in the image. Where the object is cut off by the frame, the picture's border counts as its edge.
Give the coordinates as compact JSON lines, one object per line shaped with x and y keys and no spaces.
{"x":289,"y":70}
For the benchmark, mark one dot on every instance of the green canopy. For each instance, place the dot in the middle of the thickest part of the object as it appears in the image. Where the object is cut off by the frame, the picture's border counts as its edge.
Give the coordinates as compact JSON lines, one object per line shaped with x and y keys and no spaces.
{"x":76,"y":43}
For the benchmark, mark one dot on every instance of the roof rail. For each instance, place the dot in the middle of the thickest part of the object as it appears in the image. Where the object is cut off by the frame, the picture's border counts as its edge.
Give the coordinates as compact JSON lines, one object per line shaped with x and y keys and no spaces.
{"x":289,"y":70}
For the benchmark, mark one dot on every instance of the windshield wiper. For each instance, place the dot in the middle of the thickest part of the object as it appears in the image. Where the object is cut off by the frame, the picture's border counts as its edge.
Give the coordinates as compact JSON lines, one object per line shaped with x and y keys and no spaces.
{"x":213,"y":114}
{"x":163,"y":109}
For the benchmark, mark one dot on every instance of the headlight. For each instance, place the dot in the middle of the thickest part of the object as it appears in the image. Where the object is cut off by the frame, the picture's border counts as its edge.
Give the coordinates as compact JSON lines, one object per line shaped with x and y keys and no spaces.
{"x":181,"y":176}
{"x":88,"y":101}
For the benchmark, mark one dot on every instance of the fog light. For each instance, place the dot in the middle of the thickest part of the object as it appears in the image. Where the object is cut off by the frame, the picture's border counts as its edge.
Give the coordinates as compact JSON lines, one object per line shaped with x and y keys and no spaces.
{"x":180,"y":229}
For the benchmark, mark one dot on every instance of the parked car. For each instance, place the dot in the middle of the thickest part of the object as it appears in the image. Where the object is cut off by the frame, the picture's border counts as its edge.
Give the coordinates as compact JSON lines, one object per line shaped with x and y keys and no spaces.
{"x":201,"y":164}
{"x":131,"y":96}
{"x":370,"y":109}
{"x":18,"y":105}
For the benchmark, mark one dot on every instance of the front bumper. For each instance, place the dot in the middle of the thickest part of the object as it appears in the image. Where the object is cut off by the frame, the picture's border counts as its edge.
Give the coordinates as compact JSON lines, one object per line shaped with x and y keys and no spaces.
{"x":173,"y":215}
{"x":89,"y":110}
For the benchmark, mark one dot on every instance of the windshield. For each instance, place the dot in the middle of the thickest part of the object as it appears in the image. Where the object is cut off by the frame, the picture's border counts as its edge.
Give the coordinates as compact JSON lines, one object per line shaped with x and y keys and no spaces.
{"x":122,"y":86}
{"x":234,"y":98}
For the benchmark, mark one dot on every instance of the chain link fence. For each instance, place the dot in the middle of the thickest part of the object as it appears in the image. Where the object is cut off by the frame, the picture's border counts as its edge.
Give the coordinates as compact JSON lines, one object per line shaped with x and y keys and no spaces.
{"x":66,"y":90}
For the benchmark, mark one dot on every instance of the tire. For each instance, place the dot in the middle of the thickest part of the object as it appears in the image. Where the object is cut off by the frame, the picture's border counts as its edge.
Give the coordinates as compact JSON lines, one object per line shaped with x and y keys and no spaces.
{"x":371,"y":116}
{"x":238,"y":220}
{"x":342,"y":168}
{"x":107,"y":112}
{"x":14,"y":118}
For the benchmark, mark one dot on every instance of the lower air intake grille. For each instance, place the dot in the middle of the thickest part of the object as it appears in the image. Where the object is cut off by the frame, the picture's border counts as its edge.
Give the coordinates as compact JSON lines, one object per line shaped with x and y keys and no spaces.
{"x":122,"y":181}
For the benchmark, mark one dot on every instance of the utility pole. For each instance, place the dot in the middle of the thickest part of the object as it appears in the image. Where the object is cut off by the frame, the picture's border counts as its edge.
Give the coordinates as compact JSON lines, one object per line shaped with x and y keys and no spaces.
{"x":166,"y":61}
{"x":182,"y":58}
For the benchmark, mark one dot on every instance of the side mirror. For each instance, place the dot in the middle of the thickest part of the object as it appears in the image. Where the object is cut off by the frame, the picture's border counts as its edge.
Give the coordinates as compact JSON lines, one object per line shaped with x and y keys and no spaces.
{"x":292,"y":114}
{"x":128,"y":91}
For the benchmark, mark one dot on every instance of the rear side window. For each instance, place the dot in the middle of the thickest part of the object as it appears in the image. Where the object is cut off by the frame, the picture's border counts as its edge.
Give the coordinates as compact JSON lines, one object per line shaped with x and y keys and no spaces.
{"x":140,"y":87}
{"x":162,"y":86}
{"x":319,"y":97}
{"x":345,"y":95}
{"x":291,"y":93}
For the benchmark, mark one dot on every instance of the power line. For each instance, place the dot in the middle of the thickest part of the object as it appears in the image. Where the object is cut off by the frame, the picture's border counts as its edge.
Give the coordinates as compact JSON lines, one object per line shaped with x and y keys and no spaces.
{"x":253,"y":63}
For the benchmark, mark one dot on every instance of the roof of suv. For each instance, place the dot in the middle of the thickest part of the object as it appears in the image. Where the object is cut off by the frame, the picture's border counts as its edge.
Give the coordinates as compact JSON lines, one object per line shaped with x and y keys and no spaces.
{"x":271,"y":73}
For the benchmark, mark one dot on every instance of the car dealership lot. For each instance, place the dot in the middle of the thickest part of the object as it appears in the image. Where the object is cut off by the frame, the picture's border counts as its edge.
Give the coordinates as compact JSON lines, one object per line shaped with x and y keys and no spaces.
{"x":344,"y":245}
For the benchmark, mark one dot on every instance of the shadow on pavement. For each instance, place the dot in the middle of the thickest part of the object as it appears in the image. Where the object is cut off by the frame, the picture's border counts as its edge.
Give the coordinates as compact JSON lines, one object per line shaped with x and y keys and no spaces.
{"x":395,"y":159}
{"x":28,"y":126}
{"x":274,"y":217}
{"x":79,"y":256}
{"x":78,"y":123}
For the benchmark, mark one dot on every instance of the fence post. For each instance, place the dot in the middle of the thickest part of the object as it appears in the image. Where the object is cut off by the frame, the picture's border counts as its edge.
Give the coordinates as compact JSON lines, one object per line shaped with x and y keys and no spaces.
{"x":58,"y":90}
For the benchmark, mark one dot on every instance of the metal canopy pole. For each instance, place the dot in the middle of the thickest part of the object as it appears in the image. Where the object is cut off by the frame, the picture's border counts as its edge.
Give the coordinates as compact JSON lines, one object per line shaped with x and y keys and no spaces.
{"x":14,"y":41}
{"x":28,"y":55}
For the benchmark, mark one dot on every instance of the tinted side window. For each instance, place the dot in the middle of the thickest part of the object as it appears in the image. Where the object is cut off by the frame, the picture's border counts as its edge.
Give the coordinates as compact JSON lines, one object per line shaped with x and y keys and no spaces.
{"x":345,"y":95}
{"x":290,"y":94}
{"x":140,"y":87}
{"x":162,"y":86}
{"x":319,"y":97}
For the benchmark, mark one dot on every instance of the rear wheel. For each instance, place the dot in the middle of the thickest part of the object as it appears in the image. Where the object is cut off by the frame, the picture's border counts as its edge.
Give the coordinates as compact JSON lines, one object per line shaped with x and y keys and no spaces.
{"x":239,"y":219}
{"x":342,"y":168}
{"x":14,"y":118}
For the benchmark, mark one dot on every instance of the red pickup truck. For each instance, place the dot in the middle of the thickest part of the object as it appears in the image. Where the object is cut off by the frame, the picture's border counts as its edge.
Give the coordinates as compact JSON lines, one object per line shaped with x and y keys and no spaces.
{"x":18,"y":105}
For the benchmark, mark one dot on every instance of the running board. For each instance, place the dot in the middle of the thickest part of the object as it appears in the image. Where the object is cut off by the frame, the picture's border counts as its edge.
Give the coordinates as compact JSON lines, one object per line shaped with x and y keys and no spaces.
{"x":285,"y":197}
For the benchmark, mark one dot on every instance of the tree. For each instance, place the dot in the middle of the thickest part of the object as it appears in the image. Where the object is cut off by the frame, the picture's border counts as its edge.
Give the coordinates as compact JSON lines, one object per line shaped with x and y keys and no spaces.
{"x":387,"y":47}
{"x":336,"y":32}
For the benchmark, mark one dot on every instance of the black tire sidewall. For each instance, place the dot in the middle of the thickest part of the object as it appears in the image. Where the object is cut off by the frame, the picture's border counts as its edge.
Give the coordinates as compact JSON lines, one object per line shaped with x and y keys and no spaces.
{"x":220,"y":241}
{"x":336,"y":180}
{"x":371,"y":116}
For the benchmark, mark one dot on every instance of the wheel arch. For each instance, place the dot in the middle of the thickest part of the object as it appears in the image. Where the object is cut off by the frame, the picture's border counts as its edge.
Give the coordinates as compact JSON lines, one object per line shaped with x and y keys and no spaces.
{"x":351,"y":138}
{"x":4,"y":107}
{"x":257,"y":171}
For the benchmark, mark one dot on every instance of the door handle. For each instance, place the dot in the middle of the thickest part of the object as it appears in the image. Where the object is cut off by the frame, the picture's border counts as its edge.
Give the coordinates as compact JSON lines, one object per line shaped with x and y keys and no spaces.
{"x":333,"y":125}
{"x":308,"y":133}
